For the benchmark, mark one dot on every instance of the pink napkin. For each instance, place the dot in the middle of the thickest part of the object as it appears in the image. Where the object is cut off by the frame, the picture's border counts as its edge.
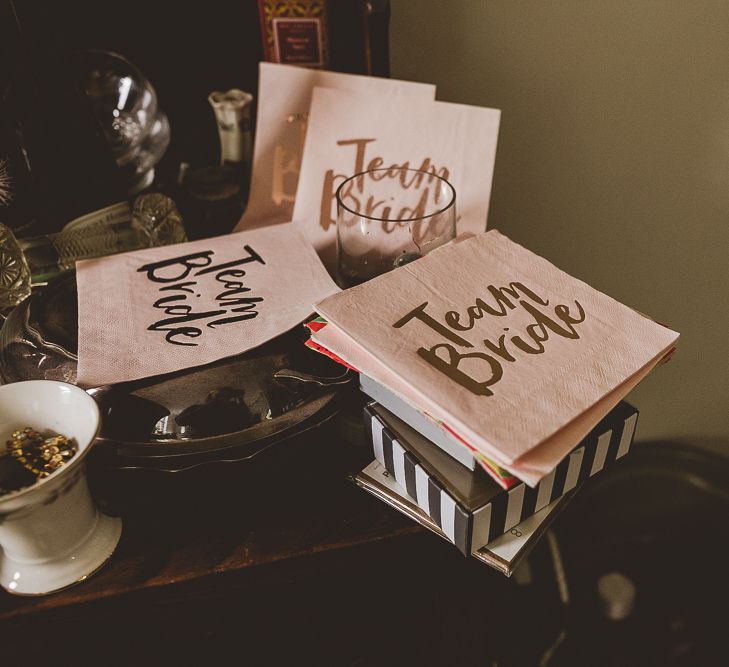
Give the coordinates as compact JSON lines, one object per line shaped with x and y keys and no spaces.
{"x":164,"y":309}
{"x":284,"y":96}
{"x":349,"y":132}
{"x":517,"y":357}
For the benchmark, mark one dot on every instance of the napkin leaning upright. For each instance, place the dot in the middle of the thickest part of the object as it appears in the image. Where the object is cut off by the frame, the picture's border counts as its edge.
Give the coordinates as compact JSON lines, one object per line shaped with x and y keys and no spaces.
{"x":516,"y":357}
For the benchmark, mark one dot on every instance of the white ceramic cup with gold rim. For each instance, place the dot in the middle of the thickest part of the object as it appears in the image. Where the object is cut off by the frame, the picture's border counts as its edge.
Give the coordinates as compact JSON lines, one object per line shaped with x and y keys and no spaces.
{"x":51,"y":533}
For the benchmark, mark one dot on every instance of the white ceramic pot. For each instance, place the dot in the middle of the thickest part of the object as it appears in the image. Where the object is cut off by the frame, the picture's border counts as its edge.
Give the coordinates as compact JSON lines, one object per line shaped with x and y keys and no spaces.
{"x":51,"y":534}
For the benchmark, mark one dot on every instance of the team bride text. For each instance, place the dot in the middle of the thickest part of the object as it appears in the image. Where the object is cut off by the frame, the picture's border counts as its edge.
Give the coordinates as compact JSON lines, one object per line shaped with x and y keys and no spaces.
{"x":180,"y":286}
{"x":370,"y":206}
{"x":487,"y":367}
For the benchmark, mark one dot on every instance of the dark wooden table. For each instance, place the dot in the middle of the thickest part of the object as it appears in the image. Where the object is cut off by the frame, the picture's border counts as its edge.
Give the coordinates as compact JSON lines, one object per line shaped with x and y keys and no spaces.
{"x":282,"y":560}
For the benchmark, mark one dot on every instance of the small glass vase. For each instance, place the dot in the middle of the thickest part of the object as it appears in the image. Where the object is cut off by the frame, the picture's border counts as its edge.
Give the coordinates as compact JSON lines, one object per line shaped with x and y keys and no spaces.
{"x":125,"y":104}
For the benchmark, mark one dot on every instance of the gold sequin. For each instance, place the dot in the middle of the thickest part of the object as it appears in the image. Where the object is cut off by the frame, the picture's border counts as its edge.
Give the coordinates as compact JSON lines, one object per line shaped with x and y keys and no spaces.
{"x":41,"y":456}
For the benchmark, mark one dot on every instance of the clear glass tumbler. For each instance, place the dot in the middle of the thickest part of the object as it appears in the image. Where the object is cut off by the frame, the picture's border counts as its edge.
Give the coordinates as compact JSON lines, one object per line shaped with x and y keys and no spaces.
{"x":388,"y":217}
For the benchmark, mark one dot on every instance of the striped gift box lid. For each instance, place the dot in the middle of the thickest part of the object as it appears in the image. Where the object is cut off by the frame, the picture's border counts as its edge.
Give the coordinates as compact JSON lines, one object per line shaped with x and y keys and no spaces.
{"x":468,"y":506}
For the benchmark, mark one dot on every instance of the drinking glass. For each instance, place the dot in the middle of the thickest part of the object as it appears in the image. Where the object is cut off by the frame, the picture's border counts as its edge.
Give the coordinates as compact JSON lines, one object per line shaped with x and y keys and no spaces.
{"x":388,"y":217}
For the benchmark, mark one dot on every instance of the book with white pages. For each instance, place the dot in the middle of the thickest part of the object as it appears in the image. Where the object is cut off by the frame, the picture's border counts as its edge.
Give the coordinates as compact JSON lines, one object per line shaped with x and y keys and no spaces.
{"x":504,"y":553}
{"x":468,"y":506}
{"x":420,"y":422}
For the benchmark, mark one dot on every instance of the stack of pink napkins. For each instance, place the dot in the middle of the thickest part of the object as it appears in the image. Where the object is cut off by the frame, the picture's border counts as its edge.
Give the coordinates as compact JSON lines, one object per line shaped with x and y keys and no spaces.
{"x":517,"y":358}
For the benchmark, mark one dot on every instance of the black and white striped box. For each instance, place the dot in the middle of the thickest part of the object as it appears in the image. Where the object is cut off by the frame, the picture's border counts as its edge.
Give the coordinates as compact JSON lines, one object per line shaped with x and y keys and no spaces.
{"x":470,"y":528}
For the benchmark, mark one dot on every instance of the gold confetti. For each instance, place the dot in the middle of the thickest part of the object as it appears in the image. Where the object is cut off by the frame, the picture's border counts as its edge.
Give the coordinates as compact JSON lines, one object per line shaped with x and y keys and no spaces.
{"x":41,"y":456}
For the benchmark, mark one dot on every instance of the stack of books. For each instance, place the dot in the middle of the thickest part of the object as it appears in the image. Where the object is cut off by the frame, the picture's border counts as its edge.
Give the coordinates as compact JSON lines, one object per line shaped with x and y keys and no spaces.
{"x":469,"y":506}
{"x":497,"y":384}
{"x":465,"y":505}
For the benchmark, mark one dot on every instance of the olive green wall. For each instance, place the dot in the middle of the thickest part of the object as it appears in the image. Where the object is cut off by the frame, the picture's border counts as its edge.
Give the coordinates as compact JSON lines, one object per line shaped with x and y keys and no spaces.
{"x":613,"y":160}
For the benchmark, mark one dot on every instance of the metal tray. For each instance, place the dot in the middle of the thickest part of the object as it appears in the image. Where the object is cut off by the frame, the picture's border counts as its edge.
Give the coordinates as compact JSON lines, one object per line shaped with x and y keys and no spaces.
{"x":226,"y":411}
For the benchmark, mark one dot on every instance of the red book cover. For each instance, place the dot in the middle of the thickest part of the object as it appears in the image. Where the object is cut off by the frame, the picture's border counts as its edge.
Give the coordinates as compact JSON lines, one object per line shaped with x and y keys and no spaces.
{"x":294,"y":32}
